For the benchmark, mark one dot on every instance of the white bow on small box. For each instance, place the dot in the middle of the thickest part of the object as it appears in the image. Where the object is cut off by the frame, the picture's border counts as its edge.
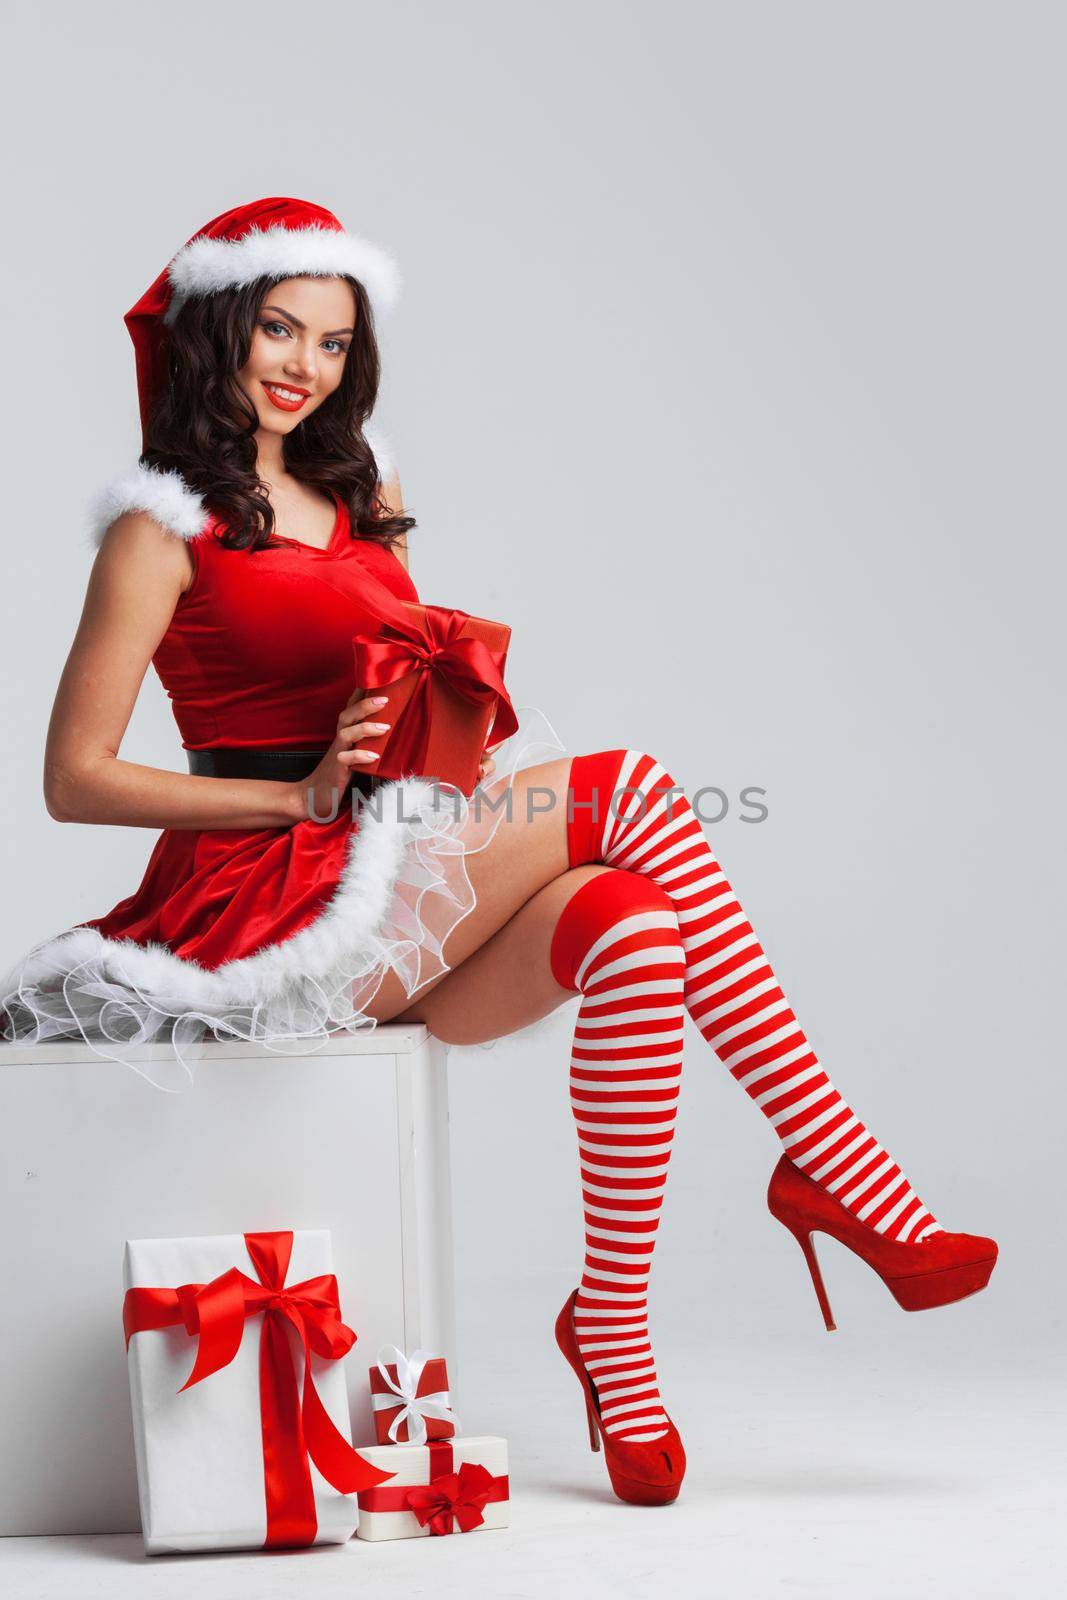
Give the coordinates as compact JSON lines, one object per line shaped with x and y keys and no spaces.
{"x":401,"y":1394}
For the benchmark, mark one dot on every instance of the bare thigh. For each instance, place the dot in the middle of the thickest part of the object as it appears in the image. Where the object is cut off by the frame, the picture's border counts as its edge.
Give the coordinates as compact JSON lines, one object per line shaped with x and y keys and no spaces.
{"x":527,"y":853}
{"x":507,"y":982}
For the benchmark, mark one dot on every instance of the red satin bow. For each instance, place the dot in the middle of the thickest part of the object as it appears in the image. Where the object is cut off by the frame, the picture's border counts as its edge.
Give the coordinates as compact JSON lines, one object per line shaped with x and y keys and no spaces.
{"x":461,"y":1495}
{"x":294,"y":1425}
{"x":468,"y":666}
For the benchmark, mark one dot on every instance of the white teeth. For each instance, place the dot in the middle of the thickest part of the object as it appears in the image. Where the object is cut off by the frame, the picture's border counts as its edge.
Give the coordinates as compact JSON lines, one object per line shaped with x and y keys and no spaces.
{"x":286,"y":394}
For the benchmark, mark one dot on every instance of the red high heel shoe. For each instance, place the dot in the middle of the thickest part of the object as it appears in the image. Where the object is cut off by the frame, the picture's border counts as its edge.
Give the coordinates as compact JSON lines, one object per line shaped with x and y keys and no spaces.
{"x":945,"y":1267}
{"x":645,"y":1474}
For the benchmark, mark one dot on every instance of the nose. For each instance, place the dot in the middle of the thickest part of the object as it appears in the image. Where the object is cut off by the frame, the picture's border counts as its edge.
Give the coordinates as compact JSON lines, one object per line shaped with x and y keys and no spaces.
{"x":302,"y":362}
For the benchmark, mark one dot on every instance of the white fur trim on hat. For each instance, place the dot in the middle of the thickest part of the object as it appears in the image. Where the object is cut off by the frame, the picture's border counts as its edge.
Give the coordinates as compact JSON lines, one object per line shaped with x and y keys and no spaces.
{"x":162,"y":493}
{"x":205,"y":266}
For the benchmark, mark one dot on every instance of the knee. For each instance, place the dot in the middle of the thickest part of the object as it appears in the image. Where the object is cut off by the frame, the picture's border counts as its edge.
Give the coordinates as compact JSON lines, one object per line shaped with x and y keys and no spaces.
{"x":621,"y":765}
{"x":600,"y":903}
{"x":606,"y":787}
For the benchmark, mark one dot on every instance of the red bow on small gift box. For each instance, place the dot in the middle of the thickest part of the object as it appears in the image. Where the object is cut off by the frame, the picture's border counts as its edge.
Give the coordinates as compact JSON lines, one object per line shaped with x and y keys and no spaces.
{"x":444,"y":673}
{"x":294,"y":1424}
{"x":450,"y":1495}
{"x":461,"y":1495}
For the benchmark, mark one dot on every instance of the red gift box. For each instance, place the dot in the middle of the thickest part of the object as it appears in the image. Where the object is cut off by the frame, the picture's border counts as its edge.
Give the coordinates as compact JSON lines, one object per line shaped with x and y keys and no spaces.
{"x":418,"y":1387}
{"x":443,"y":673}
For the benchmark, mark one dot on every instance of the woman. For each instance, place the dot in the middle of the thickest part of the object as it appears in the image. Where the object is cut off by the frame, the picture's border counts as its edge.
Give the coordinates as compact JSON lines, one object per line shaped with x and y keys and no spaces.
{"x":269,"y":911}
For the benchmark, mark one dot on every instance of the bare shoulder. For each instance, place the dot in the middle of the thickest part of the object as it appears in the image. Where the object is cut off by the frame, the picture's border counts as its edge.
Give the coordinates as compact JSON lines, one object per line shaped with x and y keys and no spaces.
{"x":136,"y":552}
{"x":134,"y":588}
{"x":142,"y":524}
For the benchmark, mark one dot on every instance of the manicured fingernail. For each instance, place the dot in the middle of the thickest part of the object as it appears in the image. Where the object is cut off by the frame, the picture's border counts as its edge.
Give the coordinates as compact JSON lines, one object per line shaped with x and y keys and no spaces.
{"x":379,"y":699}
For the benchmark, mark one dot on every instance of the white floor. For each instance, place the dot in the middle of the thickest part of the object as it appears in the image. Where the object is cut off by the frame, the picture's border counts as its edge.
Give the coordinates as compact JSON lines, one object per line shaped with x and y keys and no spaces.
{"x":902,"y":1457}
{"x":816,"y":1468}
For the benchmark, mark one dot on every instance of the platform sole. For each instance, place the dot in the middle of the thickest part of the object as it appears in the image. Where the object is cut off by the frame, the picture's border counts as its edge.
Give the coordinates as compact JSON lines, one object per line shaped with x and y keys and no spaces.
{"x":925,"y":1290}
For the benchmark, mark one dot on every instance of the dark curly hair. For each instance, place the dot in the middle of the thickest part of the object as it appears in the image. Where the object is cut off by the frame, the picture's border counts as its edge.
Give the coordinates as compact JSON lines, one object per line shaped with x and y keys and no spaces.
{"x":204,"y":424}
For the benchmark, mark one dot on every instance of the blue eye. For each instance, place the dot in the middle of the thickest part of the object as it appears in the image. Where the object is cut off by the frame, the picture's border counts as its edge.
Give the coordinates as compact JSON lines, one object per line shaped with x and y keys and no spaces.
{"x":341,"y":347}
{"x":269,"y":325}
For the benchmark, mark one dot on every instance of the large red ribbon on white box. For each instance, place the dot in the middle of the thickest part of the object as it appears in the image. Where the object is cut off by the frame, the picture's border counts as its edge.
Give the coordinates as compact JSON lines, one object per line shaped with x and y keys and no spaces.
{"x":295,"y":1425}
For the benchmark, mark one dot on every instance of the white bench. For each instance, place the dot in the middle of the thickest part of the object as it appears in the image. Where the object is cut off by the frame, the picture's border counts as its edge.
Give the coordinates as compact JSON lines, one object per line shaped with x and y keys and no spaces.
{"x":353,"y":1137}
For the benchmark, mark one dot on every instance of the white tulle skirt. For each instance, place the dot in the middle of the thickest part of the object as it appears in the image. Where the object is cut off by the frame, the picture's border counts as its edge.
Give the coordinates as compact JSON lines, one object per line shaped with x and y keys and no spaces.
{"x":404,"y":887}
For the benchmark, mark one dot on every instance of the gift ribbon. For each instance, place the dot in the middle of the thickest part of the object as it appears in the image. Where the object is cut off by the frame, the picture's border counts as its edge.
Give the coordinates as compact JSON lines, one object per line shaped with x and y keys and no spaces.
{"x":460,"y":1495}
{"x":294,"y":1425}
{"x":414,"y":1407}
{"x":468,"y":666}
{"x":449,"y":1496}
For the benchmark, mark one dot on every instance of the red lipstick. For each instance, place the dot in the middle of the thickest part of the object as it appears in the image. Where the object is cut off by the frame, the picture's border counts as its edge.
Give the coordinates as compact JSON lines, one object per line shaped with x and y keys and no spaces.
{"x":283,"y":403}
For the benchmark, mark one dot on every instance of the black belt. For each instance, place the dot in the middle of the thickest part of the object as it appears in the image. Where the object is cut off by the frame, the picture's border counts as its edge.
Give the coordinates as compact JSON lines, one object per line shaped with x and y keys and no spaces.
{"x":282,"y":766}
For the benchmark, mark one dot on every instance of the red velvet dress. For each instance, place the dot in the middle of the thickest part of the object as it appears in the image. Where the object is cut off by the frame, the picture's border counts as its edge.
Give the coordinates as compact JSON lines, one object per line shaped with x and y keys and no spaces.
{"x":278,"y":934}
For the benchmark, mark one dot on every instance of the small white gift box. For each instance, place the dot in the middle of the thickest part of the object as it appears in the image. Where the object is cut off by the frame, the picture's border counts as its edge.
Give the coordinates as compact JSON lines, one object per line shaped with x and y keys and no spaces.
{"x":240,"y":1406}
{"x":446,"y":1485}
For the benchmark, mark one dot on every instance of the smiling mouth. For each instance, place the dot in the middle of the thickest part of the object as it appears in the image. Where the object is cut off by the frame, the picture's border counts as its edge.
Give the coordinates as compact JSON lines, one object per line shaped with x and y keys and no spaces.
{"x":285,"y":398}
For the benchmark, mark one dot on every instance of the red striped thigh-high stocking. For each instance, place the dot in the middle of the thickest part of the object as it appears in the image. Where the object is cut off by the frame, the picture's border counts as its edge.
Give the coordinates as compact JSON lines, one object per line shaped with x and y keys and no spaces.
{"x":731,"y":992}
{"x":618,"y":944}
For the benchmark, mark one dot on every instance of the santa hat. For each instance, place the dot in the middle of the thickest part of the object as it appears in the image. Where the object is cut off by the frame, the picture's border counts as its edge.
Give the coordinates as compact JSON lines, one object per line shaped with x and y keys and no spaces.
{"x":273,"y":238}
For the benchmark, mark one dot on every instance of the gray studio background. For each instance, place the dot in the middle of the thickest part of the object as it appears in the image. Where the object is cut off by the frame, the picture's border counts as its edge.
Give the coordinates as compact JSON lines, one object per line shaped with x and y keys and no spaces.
{"x":728,"y":368}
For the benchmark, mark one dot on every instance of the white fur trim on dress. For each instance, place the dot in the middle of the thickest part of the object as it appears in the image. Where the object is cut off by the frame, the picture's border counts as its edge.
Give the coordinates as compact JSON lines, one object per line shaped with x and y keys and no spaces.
{"x":349,"y":920}
{"x":207,"y":265}
{"x":403,"y":886}
{"x":81,"y":981}
{"x":163,"y":494}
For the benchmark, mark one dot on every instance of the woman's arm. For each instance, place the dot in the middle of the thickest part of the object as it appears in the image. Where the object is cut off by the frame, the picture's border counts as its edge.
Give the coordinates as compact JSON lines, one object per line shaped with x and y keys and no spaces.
{"x":138,"y":575}
{"x":391,"y":495}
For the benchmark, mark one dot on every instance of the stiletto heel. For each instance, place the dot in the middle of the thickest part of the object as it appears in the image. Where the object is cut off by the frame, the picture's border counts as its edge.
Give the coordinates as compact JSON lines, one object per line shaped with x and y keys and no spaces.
{"x":645,"y":1473}
{"x":590,"y":1417}
{"x":807,"y":1245}
{"x":946,"y":1267}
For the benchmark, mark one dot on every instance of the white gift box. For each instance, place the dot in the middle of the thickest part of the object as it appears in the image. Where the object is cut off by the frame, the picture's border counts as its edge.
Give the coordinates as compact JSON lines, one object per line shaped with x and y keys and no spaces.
{"x":199,"y":1452}
{"x":374,"y":1108}
{"x":418,"y":1464}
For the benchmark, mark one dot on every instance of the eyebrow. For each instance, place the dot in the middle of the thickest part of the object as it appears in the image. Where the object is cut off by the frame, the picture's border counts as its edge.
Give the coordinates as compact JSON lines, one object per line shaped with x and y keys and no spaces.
{"x":303,"y":325}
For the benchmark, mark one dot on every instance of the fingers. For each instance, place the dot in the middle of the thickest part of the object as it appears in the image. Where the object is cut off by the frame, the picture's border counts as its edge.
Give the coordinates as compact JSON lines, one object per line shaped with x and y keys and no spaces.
{"x":356,"y":709}
{"x":352,"y":733}
{"x":353,"y":724}
{"x":488,"y":764}
{"x":359,"y":701}
{"x":362,"y":730}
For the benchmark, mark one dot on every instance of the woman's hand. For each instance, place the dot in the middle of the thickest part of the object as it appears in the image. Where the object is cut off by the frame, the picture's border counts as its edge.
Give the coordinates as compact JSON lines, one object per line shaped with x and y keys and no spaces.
{"x":488,"y":765}
{"x":331,"y":777}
